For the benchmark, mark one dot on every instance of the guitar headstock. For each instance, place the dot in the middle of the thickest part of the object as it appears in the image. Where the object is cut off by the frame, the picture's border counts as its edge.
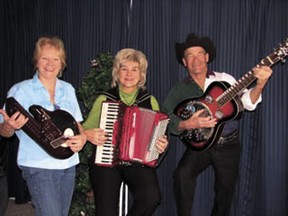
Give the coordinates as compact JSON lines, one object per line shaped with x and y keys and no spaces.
{"x":279,"y":54}
{"x":282,"y":51}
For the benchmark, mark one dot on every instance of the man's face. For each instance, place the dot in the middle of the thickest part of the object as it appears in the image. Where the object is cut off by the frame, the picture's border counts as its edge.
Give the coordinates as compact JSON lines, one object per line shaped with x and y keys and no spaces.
{"x":195,"y":60}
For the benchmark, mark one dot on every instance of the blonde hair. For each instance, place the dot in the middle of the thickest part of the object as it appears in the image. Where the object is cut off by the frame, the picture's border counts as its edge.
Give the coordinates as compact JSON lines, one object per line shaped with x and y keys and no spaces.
{"x":55,"y":42}
{"x":130,"y":55}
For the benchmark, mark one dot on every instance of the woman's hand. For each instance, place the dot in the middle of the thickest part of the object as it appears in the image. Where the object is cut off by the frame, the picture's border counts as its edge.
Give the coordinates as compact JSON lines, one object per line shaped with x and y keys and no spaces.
{"x":96,"y":136}
{"x":76,"y":143}
{"x":162,"y":144}
{"x":15,"y":122}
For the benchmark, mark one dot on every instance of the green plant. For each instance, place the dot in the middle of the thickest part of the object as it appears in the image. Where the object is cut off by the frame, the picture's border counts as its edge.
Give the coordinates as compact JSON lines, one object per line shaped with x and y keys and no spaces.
{"x":97,"y":79}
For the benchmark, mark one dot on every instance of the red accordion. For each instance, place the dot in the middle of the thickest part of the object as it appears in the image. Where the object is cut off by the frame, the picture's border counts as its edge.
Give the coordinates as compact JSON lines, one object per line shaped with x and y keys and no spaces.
{"x":132,"y":134}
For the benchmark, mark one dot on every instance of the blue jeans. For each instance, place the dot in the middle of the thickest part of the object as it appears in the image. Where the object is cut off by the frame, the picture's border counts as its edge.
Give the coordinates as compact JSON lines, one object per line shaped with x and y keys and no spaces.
{"x":51,"y":190}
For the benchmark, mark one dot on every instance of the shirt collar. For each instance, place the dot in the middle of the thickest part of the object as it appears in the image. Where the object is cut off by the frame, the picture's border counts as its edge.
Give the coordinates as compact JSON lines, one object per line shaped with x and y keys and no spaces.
{"x":38,"y":83}
{"x":209,"y":73}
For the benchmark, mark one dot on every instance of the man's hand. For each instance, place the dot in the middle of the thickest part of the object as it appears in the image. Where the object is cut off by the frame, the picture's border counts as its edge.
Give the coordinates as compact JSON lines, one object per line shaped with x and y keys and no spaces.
{"x":197,"y":121}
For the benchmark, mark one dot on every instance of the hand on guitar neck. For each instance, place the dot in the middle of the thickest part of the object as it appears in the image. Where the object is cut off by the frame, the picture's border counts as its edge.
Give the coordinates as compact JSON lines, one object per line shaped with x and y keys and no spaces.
{"x":10,"y":124}
{"x":262,"y":74}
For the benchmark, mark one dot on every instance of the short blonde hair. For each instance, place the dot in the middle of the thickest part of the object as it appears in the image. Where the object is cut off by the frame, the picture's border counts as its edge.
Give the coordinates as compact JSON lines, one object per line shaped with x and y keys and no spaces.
{"x":55,"y":42}
{"x":130,"y":55}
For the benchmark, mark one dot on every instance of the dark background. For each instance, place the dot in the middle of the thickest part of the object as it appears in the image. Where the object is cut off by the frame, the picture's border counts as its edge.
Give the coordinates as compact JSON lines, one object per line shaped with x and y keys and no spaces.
{"x":244,"y":31}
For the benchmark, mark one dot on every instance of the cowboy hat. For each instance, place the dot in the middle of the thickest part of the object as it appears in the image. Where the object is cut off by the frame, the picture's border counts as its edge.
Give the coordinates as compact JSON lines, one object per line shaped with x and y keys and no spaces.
{"x":193,"y":40}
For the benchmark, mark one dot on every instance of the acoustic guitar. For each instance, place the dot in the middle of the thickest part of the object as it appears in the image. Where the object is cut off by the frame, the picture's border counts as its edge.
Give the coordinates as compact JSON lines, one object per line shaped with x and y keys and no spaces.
{"x":221,"y":101}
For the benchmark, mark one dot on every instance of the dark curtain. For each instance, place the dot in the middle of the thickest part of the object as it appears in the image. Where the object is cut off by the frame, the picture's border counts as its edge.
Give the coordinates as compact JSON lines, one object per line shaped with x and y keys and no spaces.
{"x":244,"y":31}
{"x":86,"y":27}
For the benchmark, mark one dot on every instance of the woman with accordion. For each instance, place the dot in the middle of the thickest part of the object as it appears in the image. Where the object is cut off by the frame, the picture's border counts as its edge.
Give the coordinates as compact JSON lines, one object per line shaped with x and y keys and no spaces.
{"x":128,"y":90}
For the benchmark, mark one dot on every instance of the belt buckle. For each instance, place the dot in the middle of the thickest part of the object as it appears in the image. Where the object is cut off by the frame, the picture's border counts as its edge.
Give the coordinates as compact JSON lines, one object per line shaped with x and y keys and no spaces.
{"x":228,"y":138}
{"x":124,"y":163}
{"x":221,"y":141}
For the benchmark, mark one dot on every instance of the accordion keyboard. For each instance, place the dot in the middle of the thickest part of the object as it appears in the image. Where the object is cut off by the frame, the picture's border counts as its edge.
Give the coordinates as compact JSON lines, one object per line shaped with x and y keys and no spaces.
{"x":105,"y":154}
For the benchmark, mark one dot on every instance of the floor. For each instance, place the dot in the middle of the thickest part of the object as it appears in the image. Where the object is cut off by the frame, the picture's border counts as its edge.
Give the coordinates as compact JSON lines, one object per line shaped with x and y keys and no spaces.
{"x":14,"y":209}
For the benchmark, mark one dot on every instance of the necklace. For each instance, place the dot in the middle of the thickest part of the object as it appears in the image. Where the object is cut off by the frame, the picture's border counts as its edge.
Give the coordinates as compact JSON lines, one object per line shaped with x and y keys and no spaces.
{"x":128,"y":99}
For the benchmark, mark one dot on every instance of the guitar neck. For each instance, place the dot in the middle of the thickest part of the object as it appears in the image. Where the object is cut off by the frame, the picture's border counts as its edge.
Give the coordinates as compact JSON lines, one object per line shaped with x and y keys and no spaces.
{"x":248,"y":78}
{"x":12,"y":106}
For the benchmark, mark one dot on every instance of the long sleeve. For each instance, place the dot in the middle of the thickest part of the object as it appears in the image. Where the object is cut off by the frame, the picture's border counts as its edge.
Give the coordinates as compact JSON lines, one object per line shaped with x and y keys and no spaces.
{"x":93,"y":118}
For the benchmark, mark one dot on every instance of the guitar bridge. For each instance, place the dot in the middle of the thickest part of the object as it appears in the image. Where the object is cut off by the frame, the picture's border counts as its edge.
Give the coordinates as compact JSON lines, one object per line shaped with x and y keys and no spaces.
{"x":59,"y":142}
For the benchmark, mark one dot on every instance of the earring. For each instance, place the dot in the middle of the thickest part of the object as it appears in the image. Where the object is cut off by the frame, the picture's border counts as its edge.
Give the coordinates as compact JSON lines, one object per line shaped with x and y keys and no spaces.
{"x":60,"y":74}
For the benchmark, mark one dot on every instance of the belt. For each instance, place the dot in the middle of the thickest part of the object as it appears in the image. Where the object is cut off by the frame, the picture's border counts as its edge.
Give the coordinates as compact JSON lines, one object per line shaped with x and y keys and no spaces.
{"x":127,"y":164}
{"x":228,"y":138}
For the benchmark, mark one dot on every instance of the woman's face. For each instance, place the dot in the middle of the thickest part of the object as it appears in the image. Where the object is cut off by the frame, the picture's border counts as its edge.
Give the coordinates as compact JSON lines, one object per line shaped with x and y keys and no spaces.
{"x":129,"y":76}
{"x":49,"y":62}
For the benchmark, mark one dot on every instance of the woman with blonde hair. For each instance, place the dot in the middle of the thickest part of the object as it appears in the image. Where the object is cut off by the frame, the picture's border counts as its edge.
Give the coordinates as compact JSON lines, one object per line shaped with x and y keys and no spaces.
{"x":128,"y":87}
{"x":50,"y":180}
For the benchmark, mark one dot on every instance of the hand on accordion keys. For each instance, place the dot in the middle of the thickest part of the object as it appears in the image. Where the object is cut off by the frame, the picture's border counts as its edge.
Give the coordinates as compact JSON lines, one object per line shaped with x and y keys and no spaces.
{"x":96,"y":136}
{"x":162,"y":144}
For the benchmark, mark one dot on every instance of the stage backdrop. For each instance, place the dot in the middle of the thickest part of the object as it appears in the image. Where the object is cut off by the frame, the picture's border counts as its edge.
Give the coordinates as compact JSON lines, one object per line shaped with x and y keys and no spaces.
{"x":244,"y":31}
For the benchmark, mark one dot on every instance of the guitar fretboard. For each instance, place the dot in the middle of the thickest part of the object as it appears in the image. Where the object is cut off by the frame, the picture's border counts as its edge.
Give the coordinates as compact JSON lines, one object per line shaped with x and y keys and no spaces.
{"x":249,"y":78}
{"x":43,"y":128}
{"x":12,"y":106}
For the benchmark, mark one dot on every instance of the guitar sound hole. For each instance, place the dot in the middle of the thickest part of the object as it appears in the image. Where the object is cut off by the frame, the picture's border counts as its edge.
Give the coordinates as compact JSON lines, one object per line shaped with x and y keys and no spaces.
{"x":196,"y":135}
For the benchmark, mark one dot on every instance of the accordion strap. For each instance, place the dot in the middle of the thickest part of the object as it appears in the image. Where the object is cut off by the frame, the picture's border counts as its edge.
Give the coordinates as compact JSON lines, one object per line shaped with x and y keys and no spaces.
{"x":110,"y":96}
{"x":141,"y":99}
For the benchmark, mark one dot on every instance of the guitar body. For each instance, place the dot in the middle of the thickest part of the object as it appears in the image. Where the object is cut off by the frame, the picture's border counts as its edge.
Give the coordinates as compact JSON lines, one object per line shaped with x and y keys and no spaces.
{"x":200,"y":139}
{"x":49,"y":129}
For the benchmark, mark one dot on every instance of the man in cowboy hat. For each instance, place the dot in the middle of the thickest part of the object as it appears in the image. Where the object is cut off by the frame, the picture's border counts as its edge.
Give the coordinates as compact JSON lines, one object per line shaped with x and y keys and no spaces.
{"x":224,"y":152}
